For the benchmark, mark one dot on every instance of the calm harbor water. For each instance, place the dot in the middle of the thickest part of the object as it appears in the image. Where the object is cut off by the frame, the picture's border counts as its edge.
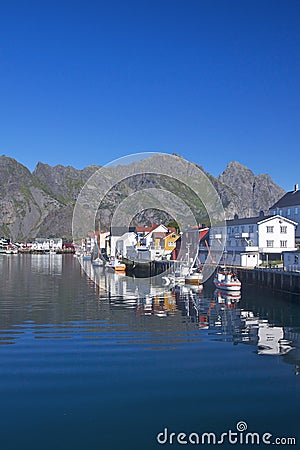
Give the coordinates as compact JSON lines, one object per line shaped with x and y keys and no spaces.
{"x":82,"y":367}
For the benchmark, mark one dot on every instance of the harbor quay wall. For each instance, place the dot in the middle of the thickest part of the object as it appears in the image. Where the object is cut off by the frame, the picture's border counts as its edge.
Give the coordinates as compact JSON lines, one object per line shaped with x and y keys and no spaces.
{"x":277,"y":280}
{"x":149,"y":269}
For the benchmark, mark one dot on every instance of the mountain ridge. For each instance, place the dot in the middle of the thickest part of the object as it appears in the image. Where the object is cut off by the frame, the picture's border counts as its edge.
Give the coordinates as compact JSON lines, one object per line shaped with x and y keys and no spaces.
{"x":41,"y":202}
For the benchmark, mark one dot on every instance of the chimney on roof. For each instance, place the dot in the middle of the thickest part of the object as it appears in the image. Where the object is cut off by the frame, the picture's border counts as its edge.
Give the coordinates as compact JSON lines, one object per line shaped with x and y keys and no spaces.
{"x":296,"y":187}
{"x":261,"y":214}
{"x":236,"y":216}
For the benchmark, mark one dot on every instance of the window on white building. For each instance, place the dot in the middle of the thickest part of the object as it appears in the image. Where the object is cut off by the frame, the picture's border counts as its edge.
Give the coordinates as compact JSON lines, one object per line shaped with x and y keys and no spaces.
{"x":280,"y":212}
{"x":296,"y":210}
{"x":283,"y":229}
{"x":289,"y":211}
{"x":274,"y":212}
{"x":270,"y":243}
{"x":270,"y":229}
{"x":283,"y":243}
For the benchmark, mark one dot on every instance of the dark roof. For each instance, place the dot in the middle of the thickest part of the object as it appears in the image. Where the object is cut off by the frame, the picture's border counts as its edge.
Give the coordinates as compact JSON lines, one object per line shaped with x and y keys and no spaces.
{"x":119,"y":231}
{"x":247,"y":220}
{"x":291,"y":198}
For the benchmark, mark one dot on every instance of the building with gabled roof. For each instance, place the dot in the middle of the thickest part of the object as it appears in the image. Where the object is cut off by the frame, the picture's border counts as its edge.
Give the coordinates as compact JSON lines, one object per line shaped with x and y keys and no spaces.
{"x":252,"y":240}
{"x":289,"y":206}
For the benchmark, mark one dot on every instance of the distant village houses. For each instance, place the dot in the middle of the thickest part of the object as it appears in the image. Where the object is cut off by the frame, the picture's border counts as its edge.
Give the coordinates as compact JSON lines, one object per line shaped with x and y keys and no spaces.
{"x":47,"y":244}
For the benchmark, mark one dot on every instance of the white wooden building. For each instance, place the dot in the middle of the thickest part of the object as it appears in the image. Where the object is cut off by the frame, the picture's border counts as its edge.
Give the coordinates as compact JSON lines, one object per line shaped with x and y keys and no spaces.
{"x":45,"y":244}
{"x":127,"y":240}
{"x":289,"y":206}
{"x":253,"y":240}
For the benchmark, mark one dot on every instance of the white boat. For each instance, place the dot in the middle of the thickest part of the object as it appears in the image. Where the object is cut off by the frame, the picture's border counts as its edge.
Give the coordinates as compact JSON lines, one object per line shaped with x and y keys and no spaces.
{"x":192,"y":271}
{"x":227,"y":280}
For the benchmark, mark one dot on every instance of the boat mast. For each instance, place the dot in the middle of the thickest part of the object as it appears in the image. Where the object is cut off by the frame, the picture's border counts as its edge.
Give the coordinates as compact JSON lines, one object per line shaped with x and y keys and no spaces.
{"x":98,"y":240}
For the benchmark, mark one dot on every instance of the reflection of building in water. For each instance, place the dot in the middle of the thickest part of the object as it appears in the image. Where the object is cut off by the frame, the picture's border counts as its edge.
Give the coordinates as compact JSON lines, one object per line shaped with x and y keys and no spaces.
{"x":241,"y":326}
{"x":138,"y":293}
{"x":271,"y":340}
{"x":293,"y":356}
{"x":47,"y":264}
{"x":220,"y":312}
{"x":160,"y":304}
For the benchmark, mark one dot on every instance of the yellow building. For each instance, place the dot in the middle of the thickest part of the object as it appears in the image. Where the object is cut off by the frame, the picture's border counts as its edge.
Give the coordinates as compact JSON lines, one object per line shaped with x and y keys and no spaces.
{"x":170,"y":241}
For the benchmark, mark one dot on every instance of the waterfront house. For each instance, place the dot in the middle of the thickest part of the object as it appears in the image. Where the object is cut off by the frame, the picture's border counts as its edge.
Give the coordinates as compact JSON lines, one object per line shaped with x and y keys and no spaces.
{"x":127,"y":240}
{"x":158,"y":239}
{"x":46,"y":244}
{"x":4,"y":243}
{"x":170,"y":243}
{"x":152,"y":236}
{"x":289,"y":206}
{"x":254,"y":240}
{"x":99,"y":238}
{"x":115,"y":234}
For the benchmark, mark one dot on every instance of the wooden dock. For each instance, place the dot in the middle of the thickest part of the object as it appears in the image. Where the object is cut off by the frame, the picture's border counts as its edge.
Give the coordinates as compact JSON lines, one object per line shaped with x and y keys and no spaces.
{"x":275,"y":279}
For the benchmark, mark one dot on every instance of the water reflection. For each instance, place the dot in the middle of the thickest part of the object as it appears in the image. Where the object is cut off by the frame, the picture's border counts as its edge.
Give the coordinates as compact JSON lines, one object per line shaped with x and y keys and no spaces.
{"x":49,"y":296}
{"x":220,"y":312}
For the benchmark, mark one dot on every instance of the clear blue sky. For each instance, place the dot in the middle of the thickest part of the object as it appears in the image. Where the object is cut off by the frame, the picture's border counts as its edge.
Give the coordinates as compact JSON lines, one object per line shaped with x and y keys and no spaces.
{"x":85,"y":82}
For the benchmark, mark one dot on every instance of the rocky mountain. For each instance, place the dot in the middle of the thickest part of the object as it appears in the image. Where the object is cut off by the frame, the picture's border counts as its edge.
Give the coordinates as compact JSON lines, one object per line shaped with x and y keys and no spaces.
{"x":24,"y":204}
{"x":244,"y":193}
{"x":41,"y":203}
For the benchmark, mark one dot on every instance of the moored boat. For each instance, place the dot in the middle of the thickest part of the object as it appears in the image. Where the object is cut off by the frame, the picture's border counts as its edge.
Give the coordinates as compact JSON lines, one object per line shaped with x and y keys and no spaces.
{"x":227,"y":280}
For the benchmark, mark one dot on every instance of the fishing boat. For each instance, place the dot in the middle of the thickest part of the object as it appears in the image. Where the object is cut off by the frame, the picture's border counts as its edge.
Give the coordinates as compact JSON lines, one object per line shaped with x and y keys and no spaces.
{"x":191,"y":270}
{"x":227,"y":280}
